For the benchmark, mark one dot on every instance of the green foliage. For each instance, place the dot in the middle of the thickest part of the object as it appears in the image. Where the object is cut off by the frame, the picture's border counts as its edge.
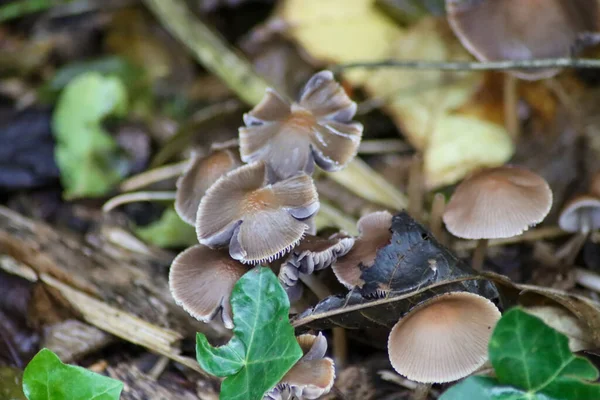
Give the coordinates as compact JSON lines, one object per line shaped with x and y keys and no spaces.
{"x":168,"y":231}
{"x":263,"y":347}
{"x":86,"y":154}
{"x":532,"y":361}
{"x":47,"y":378}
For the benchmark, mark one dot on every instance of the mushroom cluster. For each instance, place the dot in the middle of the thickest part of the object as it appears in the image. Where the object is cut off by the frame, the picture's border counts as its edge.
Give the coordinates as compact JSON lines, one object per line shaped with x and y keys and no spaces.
{"x":252,"y":213}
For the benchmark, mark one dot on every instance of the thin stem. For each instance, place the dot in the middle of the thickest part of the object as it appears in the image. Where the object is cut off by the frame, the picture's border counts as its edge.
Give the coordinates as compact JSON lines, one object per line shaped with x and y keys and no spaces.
{"x":476,"y":66}
{"x":421,"y":391}
{"x":479,"y":254}
{"x":511,"y":104}
{"x":435,"y":219}
{"x":136,"y":197}
{"x":587,"y":279}
{"x":383,"y":146}
{"x":155,"y":175}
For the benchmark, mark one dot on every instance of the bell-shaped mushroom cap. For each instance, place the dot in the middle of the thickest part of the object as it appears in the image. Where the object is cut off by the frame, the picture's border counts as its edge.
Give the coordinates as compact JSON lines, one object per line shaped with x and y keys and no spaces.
{"x":497,"y":203}
{"x":444,"y":339}
{"x":258,"y":220}
{"x":313,"y":254}
{"x":292,"y":137}
{"x":494,"y":30}
{"x":201,"y":280}
{"x":581,"y":214}
{"x":201,"y":173}
{"x":374,"y":232}
{"x":312,"y":376}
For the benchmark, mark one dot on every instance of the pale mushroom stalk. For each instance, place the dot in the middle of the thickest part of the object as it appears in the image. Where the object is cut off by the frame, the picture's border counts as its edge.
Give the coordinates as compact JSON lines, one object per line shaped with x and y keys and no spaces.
{"x":435,"y":218}
{"x":479,"y":254}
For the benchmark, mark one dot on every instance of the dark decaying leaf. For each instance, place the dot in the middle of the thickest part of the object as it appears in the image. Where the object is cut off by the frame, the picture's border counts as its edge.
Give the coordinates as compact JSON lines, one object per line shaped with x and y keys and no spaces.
{"x":411,"y":269}
{"x":585,"y":310}
{"x":27,"y":151}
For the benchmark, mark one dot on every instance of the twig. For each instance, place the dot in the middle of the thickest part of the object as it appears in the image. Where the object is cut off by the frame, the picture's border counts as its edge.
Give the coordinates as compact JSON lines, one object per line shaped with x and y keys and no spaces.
{"x":210,"y":49}
{"x":135,"y":197}
{"x":475,"y":66}
{"x":155,"y":175}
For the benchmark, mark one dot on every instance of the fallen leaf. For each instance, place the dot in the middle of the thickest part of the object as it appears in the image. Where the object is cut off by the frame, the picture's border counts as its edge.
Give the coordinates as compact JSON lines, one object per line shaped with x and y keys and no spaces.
{"x":11,"y":388}
{"x":47,"y":378}
{"x":411,"y":269}
{"x":263,"y":347}
{"x":86,"y":154}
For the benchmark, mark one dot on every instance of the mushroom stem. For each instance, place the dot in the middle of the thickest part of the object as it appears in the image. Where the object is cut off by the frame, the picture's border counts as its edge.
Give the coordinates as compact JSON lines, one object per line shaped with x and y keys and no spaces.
{"x":511,"y":103}
{"x":421,"y":392}
{"x":415,"y":188}
{"x":435,"y":219}
{"x":587,"y":279}
{"x":568,"y":252}
{"x":479,"y":254}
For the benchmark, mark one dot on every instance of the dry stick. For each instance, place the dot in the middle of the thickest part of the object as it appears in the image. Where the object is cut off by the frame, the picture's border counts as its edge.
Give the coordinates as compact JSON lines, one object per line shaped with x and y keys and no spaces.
{"x":383,"y":146}
{"x":476,"y":66}
{"x":479,"y":254}
{"x":340,"y":341}
{"x":435,"y":219}
{"x":511,"y":105}
{"x":415,"y":188}
{"x":135,"y":197}
{"x":155,"y":175}
{"x":533,"y":235}
{"x":210,"y":49}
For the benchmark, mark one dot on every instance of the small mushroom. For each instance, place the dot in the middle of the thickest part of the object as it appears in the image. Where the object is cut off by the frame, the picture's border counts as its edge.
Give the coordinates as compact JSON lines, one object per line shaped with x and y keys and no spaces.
{"x":292,"y":137}
{"x":311,"y":377}
{"x":201,"y":280}
{"x":495,"y":30}
{"x":581,"y":214}
{"x":497,"y":203}
{"x":313,"y":254}
{"x":201,"y":173}
{"x":443,"y":339}
{"x":259,"y":220}
{"x":374,"y":232}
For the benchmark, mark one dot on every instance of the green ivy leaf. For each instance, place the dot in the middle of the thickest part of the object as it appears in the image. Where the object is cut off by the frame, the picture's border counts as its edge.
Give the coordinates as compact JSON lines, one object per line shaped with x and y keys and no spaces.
{"x":263,"y":347}
{"x":532,"y":361}
{"x":168,"y":231}
{"x":47,"y":378}
{"x":87,"y":156}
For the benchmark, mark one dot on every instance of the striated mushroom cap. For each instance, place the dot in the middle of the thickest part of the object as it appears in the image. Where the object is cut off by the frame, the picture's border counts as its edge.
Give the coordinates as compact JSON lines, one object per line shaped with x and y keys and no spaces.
{"x":292,"y":137}
{"x":313,"y":254}
{"x":201,"y":173}
{"x":374,"y":232}
{"x":201,"y":280}
{"x":259,"y":220}
{"x":497,"y":203}
{"x":581,"y":214}
{"x":443,"y":339}
{"x":495,"y":30}
{"x":311,"y":377}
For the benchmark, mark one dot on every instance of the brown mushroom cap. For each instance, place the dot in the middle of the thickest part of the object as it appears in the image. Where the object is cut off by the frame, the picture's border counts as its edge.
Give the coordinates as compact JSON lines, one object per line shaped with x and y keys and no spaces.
{"x":374,"y":232}
{"x":201,"y":173}
{"x":497,"y":203}
{"x":312,"y":376}
{"x":259,"y":221}
{"x":313,"y":254}
{"x":494,"y":30}
{"x":444,"y":339}
{"x":201,"y":280}
{"x":581,"y":214}
{"x":292,"y":137}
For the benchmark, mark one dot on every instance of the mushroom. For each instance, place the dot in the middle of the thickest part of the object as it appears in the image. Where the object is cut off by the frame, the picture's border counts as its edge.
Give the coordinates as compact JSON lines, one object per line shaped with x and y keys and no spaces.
{"x":497,"y":203}
{"x":311,"y":377}
{"x":495,"y":30}
{"x":374,"y":232}
{"x":258,"y":219}
{"x":313,"y":254}
{"x":580,"y":215}
{"x":292,"y":137}
{"x":200,"y":174}
{"x":201,"y":280}
{"x":444,"y":338}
